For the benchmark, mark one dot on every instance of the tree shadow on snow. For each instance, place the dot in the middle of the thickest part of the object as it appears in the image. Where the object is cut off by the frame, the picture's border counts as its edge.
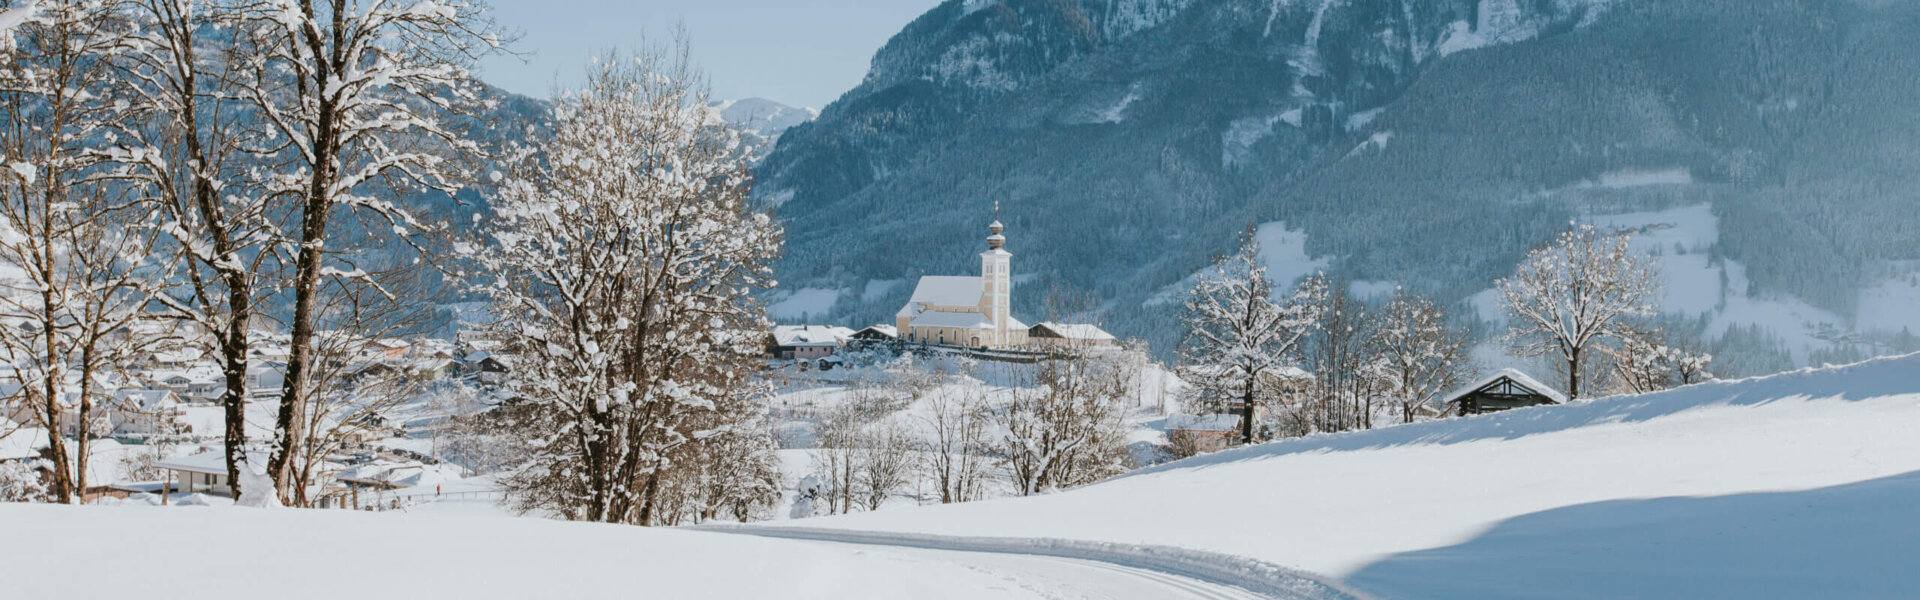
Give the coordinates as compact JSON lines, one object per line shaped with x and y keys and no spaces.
{"x":1871,"y":379}
{"x":1852,"y":541}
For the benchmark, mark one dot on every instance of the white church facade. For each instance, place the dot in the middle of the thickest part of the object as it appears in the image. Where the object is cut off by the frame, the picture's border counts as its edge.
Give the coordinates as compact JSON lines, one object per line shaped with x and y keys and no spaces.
{"x":967,"y":311}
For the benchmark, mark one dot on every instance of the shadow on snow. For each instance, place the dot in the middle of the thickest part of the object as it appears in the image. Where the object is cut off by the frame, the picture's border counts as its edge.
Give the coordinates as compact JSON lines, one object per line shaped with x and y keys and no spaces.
{"x":1851,"y":541}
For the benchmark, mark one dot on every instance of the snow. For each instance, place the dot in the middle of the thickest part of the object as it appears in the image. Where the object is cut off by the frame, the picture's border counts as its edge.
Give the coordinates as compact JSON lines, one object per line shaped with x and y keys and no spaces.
{"x":962,"y":320}
{"x":1117,"y":112}
{"x":1375,"y":143}
{"x":1514,"y":374}
{"x":1790,"y":484}
{"x":1692,"y":285}
{"x":1890,"y":305}
{"x":957,"y":291}
{"x":1372,"y":289}
{"x":1216,"y":422}
{"x":877,"y":288}
{"x":1079,"y":331}
{"x":13,"y":17}
{"x":1283,"y":251}
{"x":213,"y":461}
{"x":805,"y":302}
{"x":319,"y":554}
{"x":810,"y":335}
{"x":1360,"y":120}
{"x":1629,"y":178}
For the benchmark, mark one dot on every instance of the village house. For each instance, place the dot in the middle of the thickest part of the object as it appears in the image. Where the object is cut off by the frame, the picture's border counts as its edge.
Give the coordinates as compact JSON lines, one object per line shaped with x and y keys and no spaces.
{"x":876,"y":336}
{"x":1505,"y":390}
{"x":967,"y":311}
{"x":205,"y":472}
{"x":1070,"y":336}
{"x":1199,"y":434}
{"x":146,"y":413}
{"x":806,"y":342}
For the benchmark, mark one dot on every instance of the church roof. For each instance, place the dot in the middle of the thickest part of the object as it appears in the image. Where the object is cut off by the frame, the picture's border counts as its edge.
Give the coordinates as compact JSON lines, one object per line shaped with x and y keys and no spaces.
{"x":943,"y":291}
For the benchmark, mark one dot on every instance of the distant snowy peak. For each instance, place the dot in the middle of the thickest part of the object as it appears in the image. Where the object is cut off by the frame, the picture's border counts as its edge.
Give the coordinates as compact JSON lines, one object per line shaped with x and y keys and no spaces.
{"x":763,"y":117}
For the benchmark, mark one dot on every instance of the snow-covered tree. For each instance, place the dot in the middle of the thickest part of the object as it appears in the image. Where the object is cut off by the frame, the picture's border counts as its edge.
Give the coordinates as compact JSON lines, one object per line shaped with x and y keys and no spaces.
{"x":956,"y":445}
{"x":75,"y":266}
{"x":1238,"y":336}
{"x":1573,"y":293}
{"x":1071,"y":431}
{"x":1419,"y":353}
{"x":355,"y":97}
{"x":1348,"y":382}
{"x":184,"y":148}
{"x":622,"y":272}
{"x":1641,"y":364}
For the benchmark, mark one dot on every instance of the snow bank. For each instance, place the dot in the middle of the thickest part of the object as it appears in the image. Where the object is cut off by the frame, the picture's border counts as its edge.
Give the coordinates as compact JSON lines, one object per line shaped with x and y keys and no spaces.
{"x":221,"y":553}
{"x":1633,"y":483}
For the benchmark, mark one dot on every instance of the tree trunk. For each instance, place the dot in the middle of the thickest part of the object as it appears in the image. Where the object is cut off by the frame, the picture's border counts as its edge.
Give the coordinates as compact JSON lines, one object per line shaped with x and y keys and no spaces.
{"x":1246,"y":412}
{"x":57,"y":451}
{"x":1573,"y":374}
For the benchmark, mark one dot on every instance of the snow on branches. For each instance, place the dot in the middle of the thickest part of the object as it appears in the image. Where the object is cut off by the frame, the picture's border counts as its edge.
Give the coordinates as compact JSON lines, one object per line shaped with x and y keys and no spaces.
{"x":623,"y":261}
{"x":1575,"y":292}
{"x":1238,"y":337}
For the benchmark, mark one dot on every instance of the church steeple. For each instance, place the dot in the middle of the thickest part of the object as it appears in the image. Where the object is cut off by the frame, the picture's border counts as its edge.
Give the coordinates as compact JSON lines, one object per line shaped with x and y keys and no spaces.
{"x":996,"y":282}
{"x":995,"y":241}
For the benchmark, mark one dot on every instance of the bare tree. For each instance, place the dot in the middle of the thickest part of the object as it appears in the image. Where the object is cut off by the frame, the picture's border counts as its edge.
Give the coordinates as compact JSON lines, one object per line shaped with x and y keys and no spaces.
{"x":1070,"y":432}
{"x":957,"y":445}
{"x":355,"y":386}
{"x":1346,"y":377}
{"x":621,"y":273}
{"x":1642,"y":365}
{"x":74,"y":245}
{"x":1573,"y":293}
{"x":1237,"y":336}
{"x":182,"y":148}
{"x":1420,"y":354}
{"x":885,"y":460}
{"x":355,"y":96}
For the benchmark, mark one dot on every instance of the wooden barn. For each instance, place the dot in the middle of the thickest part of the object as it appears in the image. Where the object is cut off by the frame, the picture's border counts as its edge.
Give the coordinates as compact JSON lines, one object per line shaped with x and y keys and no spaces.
{"x":1505,"y":390}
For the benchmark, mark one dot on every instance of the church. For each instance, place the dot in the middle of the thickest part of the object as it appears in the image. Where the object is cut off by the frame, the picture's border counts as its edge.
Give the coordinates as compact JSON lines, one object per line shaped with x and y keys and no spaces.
{"x":964,"y":310}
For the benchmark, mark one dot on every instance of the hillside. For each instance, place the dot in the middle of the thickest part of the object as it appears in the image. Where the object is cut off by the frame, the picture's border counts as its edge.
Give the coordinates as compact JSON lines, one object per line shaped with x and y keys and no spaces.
{"x":1424,"y":143}
{"x":1796,"y":485}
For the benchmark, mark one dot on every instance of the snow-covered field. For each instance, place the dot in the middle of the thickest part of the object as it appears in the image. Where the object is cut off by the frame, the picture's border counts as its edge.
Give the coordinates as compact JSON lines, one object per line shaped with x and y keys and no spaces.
{"x":1793,"y":486}
{"x":244,"y":554}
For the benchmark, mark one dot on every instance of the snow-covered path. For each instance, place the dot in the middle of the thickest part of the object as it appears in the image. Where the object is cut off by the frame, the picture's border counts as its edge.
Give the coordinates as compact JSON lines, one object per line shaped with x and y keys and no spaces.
{"x":1066,"y":578}
{"x":1055,"y":568}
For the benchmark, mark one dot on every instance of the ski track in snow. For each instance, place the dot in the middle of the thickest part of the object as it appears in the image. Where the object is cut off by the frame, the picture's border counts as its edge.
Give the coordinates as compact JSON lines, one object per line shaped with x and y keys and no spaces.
{"x":1057,"y":566}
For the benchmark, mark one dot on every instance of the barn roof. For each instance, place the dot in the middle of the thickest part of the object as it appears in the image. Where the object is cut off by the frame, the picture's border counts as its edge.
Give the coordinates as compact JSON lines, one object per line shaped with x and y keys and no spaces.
{"x":1078,"y":331}
{"x":1517,"y":377}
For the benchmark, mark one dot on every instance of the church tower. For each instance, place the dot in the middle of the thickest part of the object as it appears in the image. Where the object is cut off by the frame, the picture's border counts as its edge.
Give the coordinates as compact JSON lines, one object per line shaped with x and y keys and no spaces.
{"x":996,"y":281}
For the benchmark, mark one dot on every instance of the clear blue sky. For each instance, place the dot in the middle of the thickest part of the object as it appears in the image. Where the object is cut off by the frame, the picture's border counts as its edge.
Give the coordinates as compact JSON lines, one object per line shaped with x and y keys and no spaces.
{"x":800,"y":52}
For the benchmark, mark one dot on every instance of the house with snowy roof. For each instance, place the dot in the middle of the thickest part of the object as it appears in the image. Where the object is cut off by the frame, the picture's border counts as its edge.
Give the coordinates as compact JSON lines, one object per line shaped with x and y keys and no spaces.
{"x":805,"y":342}
{"x":1071,"y":336}
{"x":1196,"y":434}
{"x":1503,"y":390}
{"x":966,"y":310}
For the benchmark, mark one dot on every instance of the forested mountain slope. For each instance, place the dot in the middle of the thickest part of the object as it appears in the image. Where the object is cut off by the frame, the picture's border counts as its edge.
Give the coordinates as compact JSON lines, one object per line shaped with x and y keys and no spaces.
{"x":1424,"y":143}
